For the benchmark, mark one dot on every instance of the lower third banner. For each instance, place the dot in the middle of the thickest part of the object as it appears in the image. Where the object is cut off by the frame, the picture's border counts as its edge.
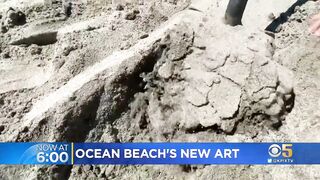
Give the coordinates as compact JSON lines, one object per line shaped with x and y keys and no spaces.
{"x":159,"y":153}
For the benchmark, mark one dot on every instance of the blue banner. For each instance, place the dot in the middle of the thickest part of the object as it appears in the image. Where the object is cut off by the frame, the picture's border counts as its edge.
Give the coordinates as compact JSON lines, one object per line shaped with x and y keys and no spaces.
{"x":35,"y":153}
{"x":159,"y":153}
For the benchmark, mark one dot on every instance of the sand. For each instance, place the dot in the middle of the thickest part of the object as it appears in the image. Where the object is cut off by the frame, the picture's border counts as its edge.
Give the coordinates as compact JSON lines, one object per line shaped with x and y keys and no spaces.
{"x":158,"y":71}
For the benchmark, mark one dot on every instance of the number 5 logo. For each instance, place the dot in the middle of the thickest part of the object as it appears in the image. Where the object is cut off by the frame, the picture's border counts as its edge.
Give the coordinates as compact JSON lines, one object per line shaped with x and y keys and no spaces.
{"x":287,"y":150}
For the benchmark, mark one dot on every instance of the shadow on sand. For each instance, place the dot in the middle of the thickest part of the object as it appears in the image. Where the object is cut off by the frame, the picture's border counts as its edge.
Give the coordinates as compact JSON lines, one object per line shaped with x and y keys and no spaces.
{"x":284,"y":17}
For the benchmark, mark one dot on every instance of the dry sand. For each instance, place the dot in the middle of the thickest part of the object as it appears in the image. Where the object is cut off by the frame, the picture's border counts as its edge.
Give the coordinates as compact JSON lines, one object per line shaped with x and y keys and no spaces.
{"x":158,"y":71}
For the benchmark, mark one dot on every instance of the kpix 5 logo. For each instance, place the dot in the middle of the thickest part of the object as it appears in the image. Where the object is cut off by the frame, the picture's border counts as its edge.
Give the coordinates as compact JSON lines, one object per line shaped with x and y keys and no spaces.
{"x":285,"y":150}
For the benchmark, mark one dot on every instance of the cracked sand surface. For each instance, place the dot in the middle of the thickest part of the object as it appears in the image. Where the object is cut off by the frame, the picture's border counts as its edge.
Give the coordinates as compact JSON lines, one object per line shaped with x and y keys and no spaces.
{"x":159,"y":71}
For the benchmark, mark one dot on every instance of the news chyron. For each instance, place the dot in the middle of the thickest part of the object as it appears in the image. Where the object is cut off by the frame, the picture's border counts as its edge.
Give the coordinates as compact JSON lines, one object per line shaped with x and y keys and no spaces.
{"x":159,"y":153}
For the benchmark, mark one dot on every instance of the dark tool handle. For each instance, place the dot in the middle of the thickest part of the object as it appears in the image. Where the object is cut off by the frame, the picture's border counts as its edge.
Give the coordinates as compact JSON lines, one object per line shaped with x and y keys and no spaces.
{"x":235,"y":11}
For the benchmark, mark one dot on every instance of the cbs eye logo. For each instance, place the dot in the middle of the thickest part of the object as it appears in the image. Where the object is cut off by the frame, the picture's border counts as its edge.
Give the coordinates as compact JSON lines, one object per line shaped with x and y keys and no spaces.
{"x":285,"y":150}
